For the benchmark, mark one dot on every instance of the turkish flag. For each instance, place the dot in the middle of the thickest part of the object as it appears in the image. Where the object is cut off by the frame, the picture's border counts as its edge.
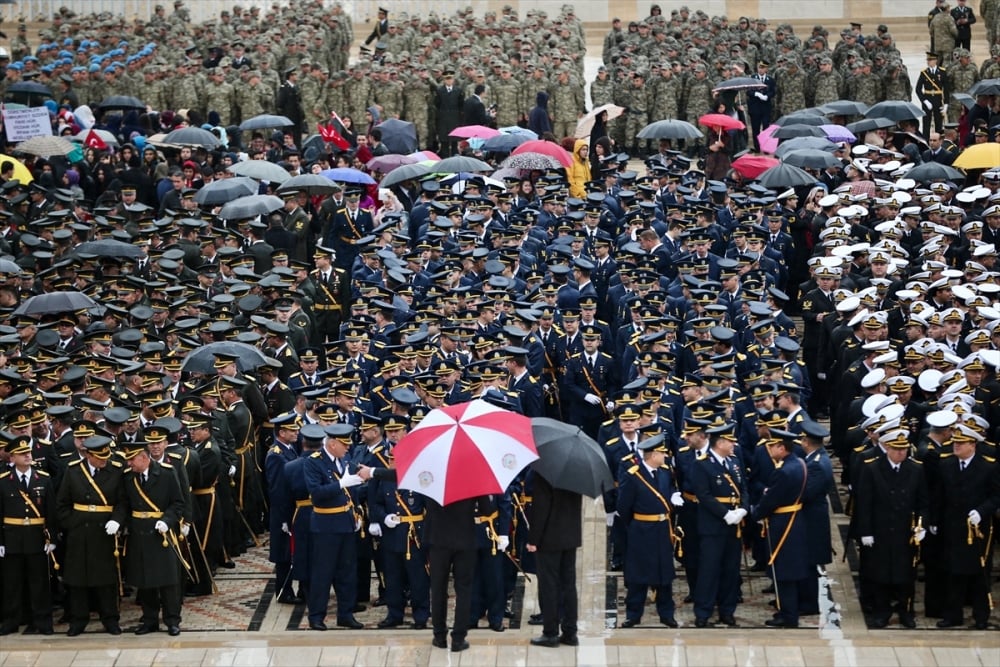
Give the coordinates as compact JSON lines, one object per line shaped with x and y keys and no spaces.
{"x":95,"y":142}
{"x":331,"y":136}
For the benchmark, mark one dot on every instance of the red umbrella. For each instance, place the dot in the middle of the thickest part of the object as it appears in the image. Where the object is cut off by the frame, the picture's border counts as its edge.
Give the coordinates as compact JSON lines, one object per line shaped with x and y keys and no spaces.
{"x":545,"y":148}
{"x":465,"y":450}
{"x":721,"y":121}
{"x":752,"y":166}
{"x":474,"y":132}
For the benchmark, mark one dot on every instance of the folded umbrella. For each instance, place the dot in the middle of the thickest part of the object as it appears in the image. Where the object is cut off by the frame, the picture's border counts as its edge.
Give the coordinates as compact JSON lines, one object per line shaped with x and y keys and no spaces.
{"x":739,"y":83}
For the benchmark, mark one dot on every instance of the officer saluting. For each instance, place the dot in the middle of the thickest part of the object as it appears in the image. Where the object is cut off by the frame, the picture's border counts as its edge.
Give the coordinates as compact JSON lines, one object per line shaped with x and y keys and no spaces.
{"x":644,"y":506}
{"x":27,"y":505}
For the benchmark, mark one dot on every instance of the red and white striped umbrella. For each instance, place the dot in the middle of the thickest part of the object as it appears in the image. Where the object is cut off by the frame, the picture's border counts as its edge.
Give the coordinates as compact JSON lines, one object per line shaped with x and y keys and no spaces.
{"x":465,"y":450}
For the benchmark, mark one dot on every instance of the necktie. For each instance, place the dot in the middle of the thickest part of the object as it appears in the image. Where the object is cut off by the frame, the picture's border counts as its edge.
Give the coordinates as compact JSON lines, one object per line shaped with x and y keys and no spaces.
{"x":590,"y":361}
{"x":961,"y":467}
{"x":653,"y":474}
{"x":24,"y":481}
{"x":145,"y":478}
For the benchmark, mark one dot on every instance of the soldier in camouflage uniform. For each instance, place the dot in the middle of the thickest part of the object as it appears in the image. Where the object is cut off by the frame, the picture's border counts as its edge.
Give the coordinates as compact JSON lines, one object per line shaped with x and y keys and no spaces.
{"x":826,"y":84}
{"x":792,"y":82}
{"x":990,"y":69}
{"x":962,"y":75}
{"x":865,"y":86}
{"x":697,"y":99}
{"x":358,"y":94}
{"x":666,"y":95}
{"x":388,"y":93}
{"x":220,"y":96}
{"x":640,"y":99}
{"x":896,"y":82}
{"x":944,"y":32}
{"x":990,"y":11}
{"x":507,"y":95}
{"x":312,"y":88}
{"x":254,"y":97}
{"x":335,"y":100}
{"x":19,"y":46}
{"x":184,"y":92}
{"x":417,"y":104}
{"x":565,"y":105}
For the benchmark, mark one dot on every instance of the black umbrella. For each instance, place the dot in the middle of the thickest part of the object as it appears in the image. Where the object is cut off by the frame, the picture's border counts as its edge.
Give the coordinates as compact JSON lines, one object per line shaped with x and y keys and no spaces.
{"x":504,"y":143}
{"x":822,"y":143}
{"x":798,"y":130}
{"x":670,"y":129}
{"x":55,"y":302}
{"x":812,"y":158}
{"x":226,"y":190}
{"x":192,"y":136}
{"x":109,"y":248}
{"x":265,"y":122}
{"x":27,"y":92}
{"x":312,"y":184}
{"x":785,"y":176}
{"x":985,"y":87}
{"x":802,"y":118}
{"x":399,"y":136}
{"x":459,"y":163}
{"x":843,"y":108}
{"x":569,"y":458}
{"x":202,"y":359}
{"x":250,"y":206}
{"x":739,"y":83}
{"x":934,"y":171}
{"x":869,"y":124}
{"x":895,"y":110}
{"x":121,"y":102}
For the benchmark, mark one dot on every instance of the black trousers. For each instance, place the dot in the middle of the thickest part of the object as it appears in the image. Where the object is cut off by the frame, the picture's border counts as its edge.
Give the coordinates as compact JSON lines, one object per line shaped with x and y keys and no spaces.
{"x":968,"y":586}
{"x":557,"y":584}
{"x":442,"y":562}
{"x":106,"y":598}
{"x":883,"y":596}
{"x":153,"y":599}
{"x":26,"y":573}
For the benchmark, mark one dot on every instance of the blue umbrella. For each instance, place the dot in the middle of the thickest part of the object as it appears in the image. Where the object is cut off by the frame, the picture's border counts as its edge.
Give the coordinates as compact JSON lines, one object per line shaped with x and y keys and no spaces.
{"x":398,"y":136}
{"x":517,"y":129}
{"x":505,"y":143}
{"x":347,"y":175}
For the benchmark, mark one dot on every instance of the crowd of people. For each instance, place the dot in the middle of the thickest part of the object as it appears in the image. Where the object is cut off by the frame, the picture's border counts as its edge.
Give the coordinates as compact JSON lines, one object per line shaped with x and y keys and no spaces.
{"x":206,"y":380}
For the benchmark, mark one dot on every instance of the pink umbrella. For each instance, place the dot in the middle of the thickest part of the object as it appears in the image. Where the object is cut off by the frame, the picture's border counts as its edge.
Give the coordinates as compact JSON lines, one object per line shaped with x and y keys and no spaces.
{"x":386,"y":163}
{"x":420,"y":156}
{"x":465,"y":450}
{"x":766,"y":140}
{"x":722,"y":121}
{"x":545,"y":148}
{"x":473,"y":132}
{"x":837,"y":133}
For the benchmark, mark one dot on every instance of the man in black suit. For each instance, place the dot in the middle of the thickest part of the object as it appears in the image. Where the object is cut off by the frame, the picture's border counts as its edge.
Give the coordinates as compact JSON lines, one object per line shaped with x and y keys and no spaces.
{"x":937,"y":152}
{"x":761,"y":100}
{"x":474,"y":109}
{"x":448,"y":101}
{"x":450,"y":531}
{"x":554,"y":535}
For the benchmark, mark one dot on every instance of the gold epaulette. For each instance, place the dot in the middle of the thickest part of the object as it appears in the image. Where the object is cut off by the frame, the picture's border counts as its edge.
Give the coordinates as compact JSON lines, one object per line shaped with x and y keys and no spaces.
{"x":42,"y":473}
{"x":168,"y":466}
{"x":276,"y":450}
{"x":314,"y":455}
{"x":75,"y":463}
{"x":117,"y":464}
{"x":633,"y":470}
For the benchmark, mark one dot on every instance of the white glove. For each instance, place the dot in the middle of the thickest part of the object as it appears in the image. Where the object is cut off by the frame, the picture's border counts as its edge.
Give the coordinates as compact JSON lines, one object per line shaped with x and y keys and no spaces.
{"x":502,"y":542}
{"x":609,"y":406}
{"x":185,"y":529}
{"x":677,"y":499}
{"x":592,"y":399}
{"x":610,"y":518}
{"x":375,"y":530}
{"x":284,"y":529}
{"x":933,"y":530}
{"x":3,"y":551}
{"x":161,"y":527}
{"x":927,"y":103}
{"x":868,"y":541}
{"x":349,"y":480}
{"x":232,"y":470}
{"x":391,"y":520}
{"x":821,"y":376}
{"x":742,"y":512}
{"x":760,"y":96}
{"x":732,"y":517}
{"x":111,"y":527}
{"x":919,"y":535}
{"x":974,"y":518}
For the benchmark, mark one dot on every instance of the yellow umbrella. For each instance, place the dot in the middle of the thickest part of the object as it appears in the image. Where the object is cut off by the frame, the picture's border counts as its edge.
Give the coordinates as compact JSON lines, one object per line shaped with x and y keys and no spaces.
{"x":21,"y":172}
{"x":979,"y":156}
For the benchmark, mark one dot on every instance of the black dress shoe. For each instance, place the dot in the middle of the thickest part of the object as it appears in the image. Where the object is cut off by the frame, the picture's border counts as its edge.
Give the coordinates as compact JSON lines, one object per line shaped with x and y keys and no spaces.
{"x":535,"y":619}
{"x":728,"y":620}
{"x":879,"y":623}
{"x":114,"y":629}
{"x":390,"y":622}
{"x":459,"y":646}
{"x":146,"y":629}
{"x":945,"y":623}
{"x":497,"y":627}
{"x":349,"y":622}
{"x":668,"y":621}
{"x":229,"y":565}
{"x":569,"y":640}
{"x":7,"y":630}
{"x":173,"y":630}
{"x":46,"y":631}
{"x":75,"y":630}
{"x":548,"y":641}
{"x":631,"y":623}
{"x":907,"y":621}
{"x":981,"y":625}
{"x":778,"y":623}
{"x":419,"y":625}
{"x":320,"y":626}
{"x":29,"y":630}
{"x":439,"y":642}
{"x":287,"y":599}
{"x":701,"y":622}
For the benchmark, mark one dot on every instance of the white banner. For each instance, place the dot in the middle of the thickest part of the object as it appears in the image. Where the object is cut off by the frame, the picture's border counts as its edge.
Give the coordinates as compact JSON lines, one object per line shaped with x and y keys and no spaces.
{"x":21,"y":124}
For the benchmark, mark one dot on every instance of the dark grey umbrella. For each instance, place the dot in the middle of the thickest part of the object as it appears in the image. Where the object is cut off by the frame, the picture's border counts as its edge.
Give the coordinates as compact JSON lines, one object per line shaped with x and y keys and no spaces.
{"x":570,"y":459}
{"x":895,"y":110}
{"x":27,"y":92}
{"x":262,"y":170}
{"x":934,"y":171}
{"x":407,"y":172}
{"x":265,"y":121}
{"x":802,"y":118}
{"x":670,"y":129}
{"x":250,"y":206}
{"x":869,"y":124}
{"x":109,"y":248}
{"x":121,"y":102}
{"x":812,"y":158}
{"x":843,"y":108}
{"x":985,"y":87}
{"x":55,"y":302}
{"x":739,"y":83}
{"x":226,"y":190}
{"x":202,"y":359}
{"x":313,"y":184}
{"x":504,"y":143}
{"x":785,"y":176}
{"x":822,"y":143}
{"x":798,"y":130}
{"x":458,"y":163}
{"x":399,"y":136}
{"x":192,"y":136}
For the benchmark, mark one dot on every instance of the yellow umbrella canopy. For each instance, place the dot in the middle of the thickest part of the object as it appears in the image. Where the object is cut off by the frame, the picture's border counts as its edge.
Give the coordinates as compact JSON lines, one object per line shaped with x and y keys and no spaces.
{"x":21,"y":172}
{"x":979,"y":156}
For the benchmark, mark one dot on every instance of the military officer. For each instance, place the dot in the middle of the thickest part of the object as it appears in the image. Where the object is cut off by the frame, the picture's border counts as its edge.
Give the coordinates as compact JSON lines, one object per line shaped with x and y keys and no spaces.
{"x":933,"y":91}
{"x":590,"y":378}
{"x":27,"y":507}
{"x":153,"y":508}
{"x":286,"y":432}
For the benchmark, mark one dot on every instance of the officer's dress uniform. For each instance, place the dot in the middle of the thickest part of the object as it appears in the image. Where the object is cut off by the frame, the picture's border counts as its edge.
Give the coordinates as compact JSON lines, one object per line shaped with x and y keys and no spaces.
{"x":279,"y":551}
{"x":28,"y":511}
{"x":404,"y":551}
